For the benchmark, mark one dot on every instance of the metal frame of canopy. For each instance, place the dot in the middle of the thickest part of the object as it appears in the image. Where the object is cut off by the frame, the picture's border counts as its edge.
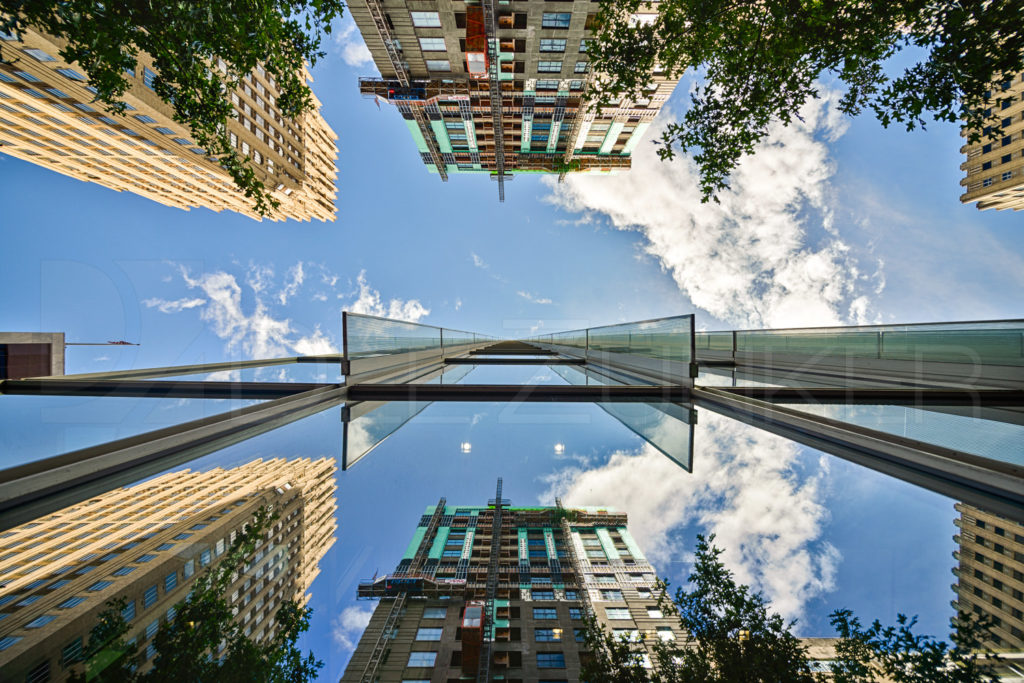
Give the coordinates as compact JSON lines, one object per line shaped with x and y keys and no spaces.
{"x":649,"y":362}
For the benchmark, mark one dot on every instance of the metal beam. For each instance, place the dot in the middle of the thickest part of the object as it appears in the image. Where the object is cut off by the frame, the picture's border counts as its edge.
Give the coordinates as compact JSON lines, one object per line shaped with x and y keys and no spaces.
{"x":513,"y":352}
{"x":995,"y":485}
{"x":156,"y":388}
{"x":514,"y":361}
{"x":44,"y":486}
{"x":200,"y":368}
{"x":882,"y":396}
{"x":514,"y":393}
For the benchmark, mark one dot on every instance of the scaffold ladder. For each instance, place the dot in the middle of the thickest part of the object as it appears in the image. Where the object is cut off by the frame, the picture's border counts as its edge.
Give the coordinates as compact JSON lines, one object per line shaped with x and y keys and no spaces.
{"x":483,"y":673}
{"x":494,"y":80}
{"x":381,"y":647}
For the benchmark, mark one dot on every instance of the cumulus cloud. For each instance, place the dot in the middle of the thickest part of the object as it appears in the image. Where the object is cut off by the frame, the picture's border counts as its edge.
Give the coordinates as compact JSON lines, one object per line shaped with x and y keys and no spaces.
{"x":369,"y":303}
{"x":296,"y":276}
{"x":165,"y":306}
{"x":350,"y":44}
{"x":348,"y":627}
{"x":745,"y":489}
{"x":748,"y":260}
{"x":534,"y":299}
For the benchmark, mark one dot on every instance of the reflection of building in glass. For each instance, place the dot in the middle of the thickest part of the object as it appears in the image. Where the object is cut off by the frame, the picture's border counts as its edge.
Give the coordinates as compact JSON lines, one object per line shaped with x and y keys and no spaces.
{"x":459,"y":73}
{"x":501,"y":591}
{"x":990,"y":576}
{"x":48,"y":117}
{"x":146,"y":543}
{"x":994,"y":168}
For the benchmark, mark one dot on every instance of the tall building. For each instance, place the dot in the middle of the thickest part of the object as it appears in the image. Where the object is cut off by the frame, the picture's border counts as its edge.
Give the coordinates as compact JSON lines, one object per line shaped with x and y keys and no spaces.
{"x":499,"y":591}
{"x":460,"y":72}
{"x":48,"y":117}
{"x":994,"y":169}
{"x":146,"y":543}
{"x":31,"y":354}
{"x":990,"y":575}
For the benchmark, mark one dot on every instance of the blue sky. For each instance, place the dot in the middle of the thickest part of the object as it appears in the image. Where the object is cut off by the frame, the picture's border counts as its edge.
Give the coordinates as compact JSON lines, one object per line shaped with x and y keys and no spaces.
{"x":835,"y":221}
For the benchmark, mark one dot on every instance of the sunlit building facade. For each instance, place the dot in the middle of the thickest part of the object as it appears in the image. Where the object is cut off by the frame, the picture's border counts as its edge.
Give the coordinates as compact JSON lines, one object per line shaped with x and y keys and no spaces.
{"x":489,"y":594}
{"x":146,"y":544}
{"x":990,"y":574}
{"x":48,"y":117}
{"x":994,"y":168}
{"x":498,"y":88}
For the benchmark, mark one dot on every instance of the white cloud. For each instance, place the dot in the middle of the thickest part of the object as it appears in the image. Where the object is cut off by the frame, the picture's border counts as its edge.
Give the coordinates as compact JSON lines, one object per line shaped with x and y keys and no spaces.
{"x":100,"y":359}
{"x":316,"y":344}
{"x":744,"y":489}
{"x":350,"y":44}
{"x":348,"y":627}
{"x":296,"y":276}
{"x":458,"y":304}
{"x":749,"y":260}
{"x":165,"y":306}
{"x":534,"y":299}
{"x":477,"y":261}
{"x":319,"y":296}
{"x":369,"y":303}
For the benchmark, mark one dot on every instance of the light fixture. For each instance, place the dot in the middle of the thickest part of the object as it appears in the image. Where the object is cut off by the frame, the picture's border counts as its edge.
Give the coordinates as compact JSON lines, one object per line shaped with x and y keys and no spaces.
{"x":559,"y":448}
{"x":466,"y":447}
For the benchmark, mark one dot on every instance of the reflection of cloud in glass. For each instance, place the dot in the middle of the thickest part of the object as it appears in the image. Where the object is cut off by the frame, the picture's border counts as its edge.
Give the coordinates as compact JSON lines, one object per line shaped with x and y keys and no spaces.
{"x":745,"y":490}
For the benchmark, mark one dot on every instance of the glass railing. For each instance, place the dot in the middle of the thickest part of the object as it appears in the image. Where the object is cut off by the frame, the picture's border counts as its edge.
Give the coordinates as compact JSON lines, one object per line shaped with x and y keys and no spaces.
{"x":367,"y":337}
{"x":661,"y":339}
{"x":988,"y":343}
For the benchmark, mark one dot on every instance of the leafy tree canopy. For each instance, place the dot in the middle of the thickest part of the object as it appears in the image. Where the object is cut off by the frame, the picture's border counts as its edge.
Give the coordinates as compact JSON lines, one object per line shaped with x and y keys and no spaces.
{"x":761,"y":61}
{"x":186,"y":40}
{"x":203,"y":642}
{"x":735,"y":638}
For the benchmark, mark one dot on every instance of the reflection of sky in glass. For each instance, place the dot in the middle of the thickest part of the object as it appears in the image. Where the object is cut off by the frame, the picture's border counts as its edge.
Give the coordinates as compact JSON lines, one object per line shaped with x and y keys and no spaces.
{"x":812,"y":531}
{"x":294,"y":372}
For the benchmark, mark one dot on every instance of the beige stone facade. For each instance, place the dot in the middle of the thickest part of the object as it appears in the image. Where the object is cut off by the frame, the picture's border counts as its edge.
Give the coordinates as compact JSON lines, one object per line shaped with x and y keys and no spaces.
{"x":48,"y":117}
{"x":994,"y":169}
{"x":145,"y":544}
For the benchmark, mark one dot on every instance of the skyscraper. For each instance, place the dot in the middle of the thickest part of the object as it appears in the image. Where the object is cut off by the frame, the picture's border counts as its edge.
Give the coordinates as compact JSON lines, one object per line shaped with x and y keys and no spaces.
{"x":499,"y":591}
{"x":460,"y":73}
{"x":48,"y":117}
{"x":990,"y":575}
{"x":994,"y":169}
{"x":146,"y":543}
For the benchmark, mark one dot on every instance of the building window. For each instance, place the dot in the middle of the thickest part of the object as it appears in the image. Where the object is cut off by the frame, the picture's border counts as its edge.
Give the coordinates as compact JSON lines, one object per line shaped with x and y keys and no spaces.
{"x":128,"y":613}
{"x":422,"y":658}
{"x":556,"y":19}
{"x":454,"y":553}
{"x":7,"y":641}
{"x":72,"y":74}
{"x":605,"y":578}
{"x":71,"y":653}
{"x":576,"y":85}
{"x":548,"y":635}
{"x":148,"y":76}
{"x":630,"y":635}
{"x":543,"y":595}
{"x":550,"y":660}
{"x":71,"y":602}
{"x":26,"y":76}
{"x":435,"y":612}
{"x":544,"y":84}
{"x":583,"y":45}
{"x":149,"y":597}
{"x":617,"y":612}
{"x":41,"y":621}
{"x":666,"y":634}
{"x":438,"y":65}
{"x":1007,"y":175}
{"x":170,"y":582}
{"x":986,"y":182}
{"x":581,"y":67}
{"x":549,"y":67}
{"x":611,"y":595}
{"x":575,"y":613}
{"x":38,"y":55}
{"x":428,"y":634}
{"x":433,"y":45}
{"x":152,"y":628}
{"x":58,"y":93}
{"x":426,"y":19}
{"x":654,"y":613}
{"x":545,"y":613}
{"x":580,"y":635}
{"x":100,"y":585}
{"x":551,"y":45}
{"x":145,"y":119}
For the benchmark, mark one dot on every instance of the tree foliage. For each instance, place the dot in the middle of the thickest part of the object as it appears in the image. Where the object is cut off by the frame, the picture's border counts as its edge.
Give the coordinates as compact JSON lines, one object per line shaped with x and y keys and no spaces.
{"x":762,"y":61}
{"x":735,"y":638}
{"x":203,"y":642}
{"x":186,"y":40}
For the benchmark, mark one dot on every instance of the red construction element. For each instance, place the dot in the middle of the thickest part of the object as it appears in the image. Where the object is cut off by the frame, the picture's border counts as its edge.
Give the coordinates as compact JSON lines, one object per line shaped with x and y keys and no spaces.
{"x":476,"y":42}
{"x":472,"y":636}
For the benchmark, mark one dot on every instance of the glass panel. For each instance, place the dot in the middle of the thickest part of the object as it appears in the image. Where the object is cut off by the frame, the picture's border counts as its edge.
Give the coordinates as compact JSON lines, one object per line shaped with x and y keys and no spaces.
{"x":713,"y":341}
{"x":325,"y":373}
{"x":367,"y":336}
{"x":36,"y":427}
{"x":666,"y":339}
{"x":990,"y":343}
